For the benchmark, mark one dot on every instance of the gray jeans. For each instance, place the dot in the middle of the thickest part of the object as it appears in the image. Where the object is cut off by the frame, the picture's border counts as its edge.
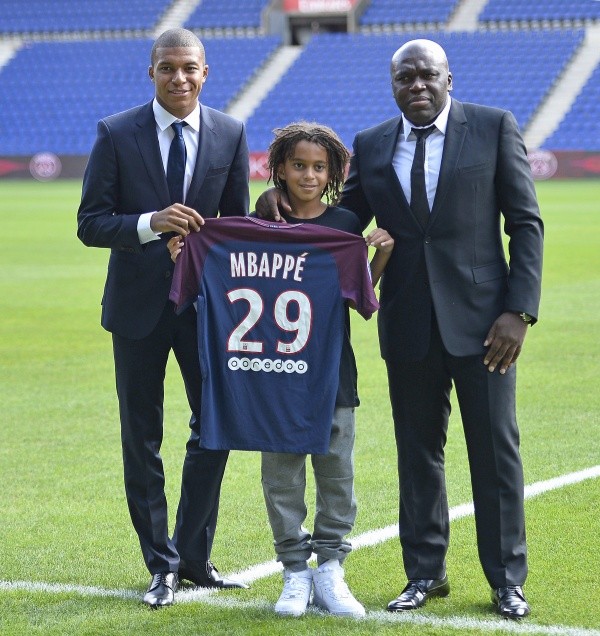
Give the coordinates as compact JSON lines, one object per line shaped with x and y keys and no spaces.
{"x":284,"y":485}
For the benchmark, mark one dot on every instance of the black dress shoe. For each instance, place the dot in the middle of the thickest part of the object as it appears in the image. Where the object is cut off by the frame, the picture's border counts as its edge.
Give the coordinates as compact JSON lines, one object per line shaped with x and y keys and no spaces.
{"x":206,"y":575}
{"x":511,"y":602}
{"x":161,"y":590}
{"x":416,"y":593}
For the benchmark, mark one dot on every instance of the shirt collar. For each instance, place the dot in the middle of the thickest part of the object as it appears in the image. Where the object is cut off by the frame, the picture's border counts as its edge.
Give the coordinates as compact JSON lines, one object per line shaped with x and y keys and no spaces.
{"x":164,"y":118}
{"x":440,"y":122}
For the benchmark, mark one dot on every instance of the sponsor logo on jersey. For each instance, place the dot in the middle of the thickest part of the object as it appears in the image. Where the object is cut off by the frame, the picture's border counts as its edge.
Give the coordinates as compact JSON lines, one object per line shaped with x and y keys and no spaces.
{"x":268,"y":365}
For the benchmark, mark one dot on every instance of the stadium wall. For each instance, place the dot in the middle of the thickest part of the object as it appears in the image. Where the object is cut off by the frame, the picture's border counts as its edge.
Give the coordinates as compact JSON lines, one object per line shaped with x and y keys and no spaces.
{"x":45,"y":166}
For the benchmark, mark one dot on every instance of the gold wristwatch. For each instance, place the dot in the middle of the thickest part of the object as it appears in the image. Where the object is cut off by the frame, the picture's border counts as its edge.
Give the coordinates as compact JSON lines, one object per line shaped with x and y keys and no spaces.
{"x":526,"y":318}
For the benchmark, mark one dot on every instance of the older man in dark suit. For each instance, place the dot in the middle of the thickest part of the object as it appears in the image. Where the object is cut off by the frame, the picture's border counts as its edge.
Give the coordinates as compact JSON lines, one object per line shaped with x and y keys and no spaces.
{"x":439,"y":177}
{"x":154,"y":170}
{"x":453,"y":311}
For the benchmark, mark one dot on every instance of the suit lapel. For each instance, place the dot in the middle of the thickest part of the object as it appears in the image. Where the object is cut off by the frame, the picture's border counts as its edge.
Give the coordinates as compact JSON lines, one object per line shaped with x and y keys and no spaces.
{"x":455,"y":137}
{"x":205,"y":151}
{"x":147,"y":141}
{"x":384,"y":156}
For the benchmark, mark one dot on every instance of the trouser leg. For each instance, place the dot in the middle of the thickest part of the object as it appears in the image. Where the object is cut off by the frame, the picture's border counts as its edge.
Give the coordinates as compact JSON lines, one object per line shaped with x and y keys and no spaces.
{"x":203,"y":469}
{"x":488,"y":410}
{"x":284,"y":486}
{"x":335,"y":510}
{"x":420,"y":398}
{"x":140,"y":370}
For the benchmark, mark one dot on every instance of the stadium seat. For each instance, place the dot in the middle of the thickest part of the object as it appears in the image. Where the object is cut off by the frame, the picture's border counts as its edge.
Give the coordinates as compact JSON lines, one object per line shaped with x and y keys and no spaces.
{"x":77,"y":83}
{"x":580,"y":128}
{"x":36,"y":16}
{"x":380,"y":12}
{"x":349,"y":86}
{"x":515,"y":10}
{"x":227,"y":14}
{"x":339,"y":79}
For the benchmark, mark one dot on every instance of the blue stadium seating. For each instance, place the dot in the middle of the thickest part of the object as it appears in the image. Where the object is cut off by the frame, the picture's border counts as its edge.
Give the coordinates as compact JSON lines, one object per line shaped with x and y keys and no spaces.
{"x":85,"y":15}
{"x":343,"y":80}
{"x":227,"y":14}
{"x":407,"y":12}
{"x":580,"y":128}
{"x":511,"y":10}
{"x":77,"y":83}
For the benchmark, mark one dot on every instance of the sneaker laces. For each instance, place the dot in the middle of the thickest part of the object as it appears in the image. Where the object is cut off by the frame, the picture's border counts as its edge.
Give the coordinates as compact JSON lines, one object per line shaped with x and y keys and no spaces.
{"x":336,"y":586}
{"x":295,"y":586}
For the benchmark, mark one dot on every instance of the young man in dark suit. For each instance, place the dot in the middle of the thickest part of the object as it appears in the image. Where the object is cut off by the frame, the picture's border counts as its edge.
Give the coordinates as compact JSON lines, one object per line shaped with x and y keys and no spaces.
{"x":453,"y":311}
{"x":155,"y":170}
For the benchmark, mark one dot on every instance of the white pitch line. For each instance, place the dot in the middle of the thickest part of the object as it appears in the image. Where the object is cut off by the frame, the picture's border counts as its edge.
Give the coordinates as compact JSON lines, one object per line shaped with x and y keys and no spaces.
{"x":559,"y":482}
{"x":374,"y":537}
{"x":370,"y":538}
{"x":421,"y":619}
{"x":424,"y":619}
{"x":64,"y":588}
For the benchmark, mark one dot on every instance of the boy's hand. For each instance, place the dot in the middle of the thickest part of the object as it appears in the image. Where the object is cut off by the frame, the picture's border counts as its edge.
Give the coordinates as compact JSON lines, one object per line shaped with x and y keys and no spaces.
{"x":380,"y":239}
{"x":175,"y":246}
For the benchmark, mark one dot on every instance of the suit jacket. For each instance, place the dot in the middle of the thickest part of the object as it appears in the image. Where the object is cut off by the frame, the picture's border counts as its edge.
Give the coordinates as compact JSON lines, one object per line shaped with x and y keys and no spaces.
{"x":124,"y":178}
{"x":457,"y":264}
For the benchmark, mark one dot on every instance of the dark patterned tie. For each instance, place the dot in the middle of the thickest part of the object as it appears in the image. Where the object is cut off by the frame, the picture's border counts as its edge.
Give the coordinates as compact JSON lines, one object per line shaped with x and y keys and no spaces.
{"x":418,"y":191}
{"x":176,"y":163}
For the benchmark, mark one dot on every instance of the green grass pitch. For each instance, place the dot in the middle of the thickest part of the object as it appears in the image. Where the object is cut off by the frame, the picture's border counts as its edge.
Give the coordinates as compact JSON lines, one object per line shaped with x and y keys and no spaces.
{"x":62,"y":508}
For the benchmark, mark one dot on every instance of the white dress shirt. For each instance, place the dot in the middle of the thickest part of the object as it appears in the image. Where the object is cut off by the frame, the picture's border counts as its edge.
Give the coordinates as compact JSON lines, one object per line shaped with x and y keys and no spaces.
{"x":191,"y":136}
{"x":434,"y":146}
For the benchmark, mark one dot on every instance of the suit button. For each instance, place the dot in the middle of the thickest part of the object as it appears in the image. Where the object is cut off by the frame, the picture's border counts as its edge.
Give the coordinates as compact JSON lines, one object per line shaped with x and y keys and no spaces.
{"x":428,"y":240}
{"x":167,"y":274}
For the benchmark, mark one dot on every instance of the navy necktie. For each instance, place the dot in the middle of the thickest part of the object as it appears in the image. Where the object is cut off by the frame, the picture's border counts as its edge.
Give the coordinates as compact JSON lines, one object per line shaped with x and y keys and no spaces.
{"x":418,"y":191}
{"x":176,"y":163}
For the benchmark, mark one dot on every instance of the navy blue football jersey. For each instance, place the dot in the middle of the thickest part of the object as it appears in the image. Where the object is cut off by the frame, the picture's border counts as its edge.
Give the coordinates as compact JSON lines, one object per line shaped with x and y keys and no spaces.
{"x":270,"y":301}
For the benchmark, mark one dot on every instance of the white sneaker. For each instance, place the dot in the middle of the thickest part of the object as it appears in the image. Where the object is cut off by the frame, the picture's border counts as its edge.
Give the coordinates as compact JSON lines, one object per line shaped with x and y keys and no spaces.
{"x":296,"y":593}
{"x":331,"y":592}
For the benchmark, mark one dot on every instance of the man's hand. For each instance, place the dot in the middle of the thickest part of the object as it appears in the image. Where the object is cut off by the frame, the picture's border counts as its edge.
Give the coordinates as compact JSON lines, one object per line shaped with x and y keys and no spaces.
{"x":268,"y":204}
{"x":176,"y":218}
{"x":504,"y":340}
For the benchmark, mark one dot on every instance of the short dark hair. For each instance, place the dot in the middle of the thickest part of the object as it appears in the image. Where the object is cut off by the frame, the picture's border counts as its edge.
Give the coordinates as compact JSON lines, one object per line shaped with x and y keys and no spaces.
{"x":284,"y":144}
{"x":175,"y":38}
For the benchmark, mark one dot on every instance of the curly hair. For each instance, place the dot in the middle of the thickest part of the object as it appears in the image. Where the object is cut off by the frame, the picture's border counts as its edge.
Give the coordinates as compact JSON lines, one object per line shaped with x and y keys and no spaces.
{"x":284,"y":144}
